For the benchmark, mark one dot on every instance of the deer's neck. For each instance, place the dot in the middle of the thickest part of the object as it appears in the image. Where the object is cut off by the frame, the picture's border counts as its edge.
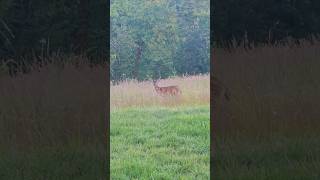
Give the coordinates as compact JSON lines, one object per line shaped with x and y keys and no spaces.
{"x":156,"y":87}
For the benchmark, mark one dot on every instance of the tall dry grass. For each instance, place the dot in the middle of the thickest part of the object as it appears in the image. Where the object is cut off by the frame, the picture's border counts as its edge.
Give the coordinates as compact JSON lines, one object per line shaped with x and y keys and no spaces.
{"x":54,"y":106}
{"x":130,"y":93}
{"x":275,"y":91}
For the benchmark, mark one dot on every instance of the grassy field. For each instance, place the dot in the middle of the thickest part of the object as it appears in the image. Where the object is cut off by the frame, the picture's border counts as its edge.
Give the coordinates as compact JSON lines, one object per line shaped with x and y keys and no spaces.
{"x":52,"y":123}
{"x":154,"y":137}
{"x":270,"y":128}
{"x":195,"y":91}
{"x":160,"y":143}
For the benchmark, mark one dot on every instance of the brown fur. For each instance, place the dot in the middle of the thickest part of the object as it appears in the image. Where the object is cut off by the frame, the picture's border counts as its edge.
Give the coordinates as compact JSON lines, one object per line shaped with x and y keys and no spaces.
{"x":168,"y":90}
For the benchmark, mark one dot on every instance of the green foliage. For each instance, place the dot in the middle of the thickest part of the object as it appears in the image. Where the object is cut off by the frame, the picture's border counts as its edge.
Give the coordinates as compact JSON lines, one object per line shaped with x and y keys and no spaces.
{"x":153,"y":39}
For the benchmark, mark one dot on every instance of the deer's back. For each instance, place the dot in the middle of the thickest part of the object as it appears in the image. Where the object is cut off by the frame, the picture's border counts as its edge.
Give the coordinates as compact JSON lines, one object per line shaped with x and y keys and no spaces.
{"x":172,"y":90}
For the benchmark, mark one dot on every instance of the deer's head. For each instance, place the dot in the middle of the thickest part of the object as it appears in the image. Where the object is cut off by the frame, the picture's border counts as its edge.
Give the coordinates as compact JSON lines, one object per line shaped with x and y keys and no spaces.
{"x":155,"y":82}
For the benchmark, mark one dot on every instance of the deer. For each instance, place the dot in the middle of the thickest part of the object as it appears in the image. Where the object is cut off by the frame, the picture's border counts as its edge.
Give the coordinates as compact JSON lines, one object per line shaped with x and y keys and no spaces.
{"x":168,"y":90}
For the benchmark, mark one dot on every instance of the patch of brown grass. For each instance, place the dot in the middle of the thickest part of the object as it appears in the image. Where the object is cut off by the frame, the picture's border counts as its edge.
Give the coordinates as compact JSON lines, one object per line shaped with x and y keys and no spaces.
{"x":195,"y":91}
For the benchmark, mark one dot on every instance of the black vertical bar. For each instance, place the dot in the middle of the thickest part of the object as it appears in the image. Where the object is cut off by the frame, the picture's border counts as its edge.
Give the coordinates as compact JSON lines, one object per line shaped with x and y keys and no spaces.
{"x":107,"y":116}
{"x":212,"y":120}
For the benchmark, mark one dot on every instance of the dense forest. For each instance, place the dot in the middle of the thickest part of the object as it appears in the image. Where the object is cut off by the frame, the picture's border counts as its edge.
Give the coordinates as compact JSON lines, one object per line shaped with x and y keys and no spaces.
{"x":148,"y":39}
{"x":156,"y":39}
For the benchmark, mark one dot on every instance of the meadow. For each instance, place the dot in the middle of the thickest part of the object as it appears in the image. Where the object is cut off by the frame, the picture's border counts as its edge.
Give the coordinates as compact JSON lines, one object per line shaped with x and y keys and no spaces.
{"x":270,"y":128}
{"x":154,"y":137}
{"x":55,"y":117}
{"x":130,"y":93}
{"x":52,"y":122}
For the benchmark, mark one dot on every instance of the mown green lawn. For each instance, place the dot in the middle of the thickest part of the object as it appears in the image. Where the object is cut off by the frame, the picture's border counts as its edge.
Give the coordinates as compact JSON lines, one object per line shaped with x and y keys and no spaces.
{"x":160,"y":143}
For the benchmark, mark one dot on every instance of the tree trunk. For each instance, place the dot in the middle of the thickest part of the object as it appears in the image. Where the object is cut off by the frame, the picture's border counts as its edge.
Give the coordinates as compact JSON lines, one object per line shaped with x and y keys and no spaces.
{"x":137,"y":63}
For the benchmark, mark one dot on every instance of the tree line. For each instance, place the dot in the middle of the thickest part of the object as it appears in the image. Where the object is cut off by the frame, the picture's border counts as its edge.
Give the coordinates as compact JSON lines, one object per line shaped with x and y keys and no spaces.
{"x":160,"y":38}
{"x":148,"y":39}
{"x":264,"y":21}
